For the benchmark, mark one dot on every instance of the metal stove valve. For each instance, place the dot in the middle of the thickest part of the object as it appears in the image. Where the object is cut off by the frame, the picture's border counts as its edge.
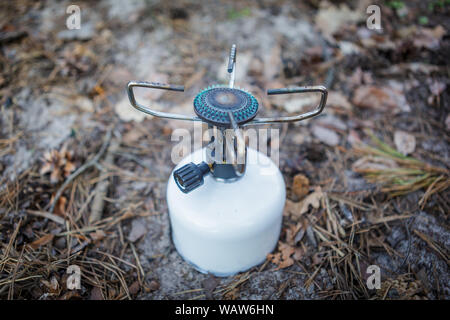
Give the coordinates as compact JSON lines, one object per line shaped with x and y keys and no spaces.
{"x":190,"y":176}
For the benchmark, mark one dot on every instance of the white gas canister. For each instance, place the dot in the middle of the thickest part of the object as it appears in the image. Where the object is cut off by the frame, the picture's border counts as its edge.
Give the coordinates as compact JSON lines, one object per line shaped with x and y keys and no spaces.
{"x":225,"y":228}
{"x":226,"y":200}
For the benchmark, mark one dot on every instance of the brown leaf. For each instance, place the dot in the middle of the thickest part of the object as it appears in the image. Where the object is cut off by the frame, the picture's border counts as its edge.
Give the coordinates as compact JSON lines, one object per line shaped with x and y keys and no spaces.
{"x":58,"y":164}
{"x":312,"y":199}
{"x":42,"y":241}
{"x":55,"y":176}
{"x":359,"y":77}
{"x":300,"y":186}
{"x":69,"y":168}
{"x":383,"y":99}
{"x":296,"y":209}
{"x":60,"y":208}
{"x":436,"y":88}
{"x":298,"y":254}
{"x":52,"y":285}
{"x":152,"y":286}
{"x":353,"y":137}
{"x":97,"y":235}
{"x":233,"y":294}
{"x":404,"y":142}
{"x":46,"y":168}
{"x":325,"y":135}
{"x":132,"y":136}
{"x":283,"y":257}
{"x":134,"y":288}
{"x":337,"y":99}
{"x":96,"y":294}
{"x":331,"y":19}
{"x":290,"y":207}
{"x":209,"y":284}
{"x":138,"y":229}
{"x":291,"y":233}
{"x":429,"y":38}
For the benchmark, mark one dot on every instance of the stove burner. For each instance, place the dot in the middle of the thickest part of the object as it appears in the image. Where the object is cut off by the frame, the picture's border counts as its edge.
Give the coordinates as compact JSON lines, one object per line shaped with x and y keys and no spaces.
{"x":213,"y":104}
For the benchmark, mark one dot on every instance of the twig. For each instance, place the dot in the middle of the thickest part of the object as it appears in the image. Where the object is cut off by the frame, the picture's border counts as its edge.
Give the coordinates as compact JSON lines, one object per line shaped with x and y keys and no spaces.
{"x":433,"y":246}
{"x":47,"y":215}
{"x":84,"y":167}
{"x":11,"y":241}
{"x":102,"y":187}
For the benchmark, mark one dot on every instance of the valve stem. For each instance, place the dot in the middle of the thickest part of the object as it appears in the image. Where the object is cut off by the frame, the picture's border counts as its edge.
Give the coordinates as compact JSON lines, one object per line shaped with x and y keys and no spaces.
{"x":232,"y":65}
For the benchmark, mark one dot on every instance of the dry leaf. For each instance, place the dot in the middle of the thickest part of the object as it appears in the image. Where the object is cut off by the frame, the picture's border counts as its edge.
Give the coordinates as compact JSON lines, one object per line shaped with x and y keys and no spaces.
{"x":325,"y":135}
{"x":137,"y":230}
{"x":386,"y":99}
{"x":291,"y":233}
{"x":134,"y":288}
{"x":338,"y":100}
{"x":296,"y":209}
{"x":283,"y":257}
{"x":359,"y":77}
{"x":132,"y":136}
{"x":42,"y":241}
{"x":436,"y":88}
{"x":298,"y":254}
{"x":300,"y":186}
{"x":52,"y":285}
{"x":60,"y":208}
{"x":232,"y":294}
{"x":312,"y":199}
{"x":96,"y":294}
{"x":353,"y":137}
{"x":58,"y":163}
{"x":98,"y":235}
{"x":429,"y":38}
{"x":153,"y":286}
{"x":404,"y":142}
{"x":84,"y":104}
{"x":290,"y":207}
{"x":331,"y":19}
{"x":209,"y":284}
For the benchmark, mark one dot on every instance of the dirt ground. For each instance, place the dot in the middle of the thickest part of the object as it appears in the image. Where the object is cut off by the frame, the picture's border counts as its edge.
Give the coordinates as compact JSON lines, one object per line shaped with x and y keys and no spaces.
{"x":83,"y":175}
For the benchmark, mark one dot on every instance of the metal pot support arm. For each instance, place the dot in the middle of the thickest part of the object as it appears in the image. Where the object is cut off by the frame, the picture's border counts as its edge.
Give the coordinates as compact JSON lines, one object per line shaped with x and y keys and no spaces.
{"x":303,"y":116}
{"x":156,"y":85}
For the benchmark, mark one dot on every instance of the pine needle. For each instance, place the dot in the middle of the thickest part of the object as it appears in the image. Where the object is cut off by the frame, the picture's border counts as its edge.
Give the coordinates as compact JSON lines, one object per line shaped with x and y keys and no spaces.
{"x":408,"y":175}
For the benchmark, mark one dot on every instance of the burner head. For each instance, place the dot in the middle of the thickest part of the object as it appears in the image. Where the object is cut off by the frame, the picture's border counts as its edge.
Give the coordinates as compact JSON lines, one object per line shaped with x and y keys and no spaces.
{"x":213,"y":104}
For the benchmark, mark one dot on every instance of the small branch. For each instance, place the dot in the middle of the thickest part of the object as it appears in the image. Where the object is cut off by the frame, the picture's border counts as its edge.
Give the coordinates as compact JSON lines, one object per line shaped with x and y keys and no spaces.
{"x":84,"y":167}
{"x":102,"y":187}
{"x":47,"y":215}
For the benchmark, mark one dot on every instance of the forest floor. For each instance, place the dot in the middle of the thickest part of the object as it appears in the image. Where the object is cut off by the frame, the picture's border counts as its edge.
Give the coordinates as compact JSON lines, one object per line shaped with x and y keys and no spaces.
{"x":83,"y":175}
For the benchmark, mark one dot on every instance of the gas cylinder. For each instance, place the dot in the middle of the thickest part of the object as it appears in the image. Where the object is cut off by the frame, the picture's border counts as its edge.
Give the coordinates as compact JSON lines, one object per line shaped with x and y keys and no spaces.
{"x":226,"y":200}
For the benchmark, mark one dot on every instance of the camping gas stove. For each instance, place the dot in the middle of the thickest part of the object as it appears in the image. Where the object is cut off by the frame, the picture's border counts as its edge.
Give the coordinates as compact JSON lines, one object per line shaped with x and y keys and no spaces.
{"x":226,"y":211}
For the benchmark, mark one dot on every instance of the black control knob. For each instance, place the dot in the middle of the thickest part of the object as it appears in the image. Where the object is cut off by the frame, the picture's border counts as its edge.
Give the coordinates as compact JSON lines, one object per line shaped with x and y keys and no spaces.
{"x":190,"y":176}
